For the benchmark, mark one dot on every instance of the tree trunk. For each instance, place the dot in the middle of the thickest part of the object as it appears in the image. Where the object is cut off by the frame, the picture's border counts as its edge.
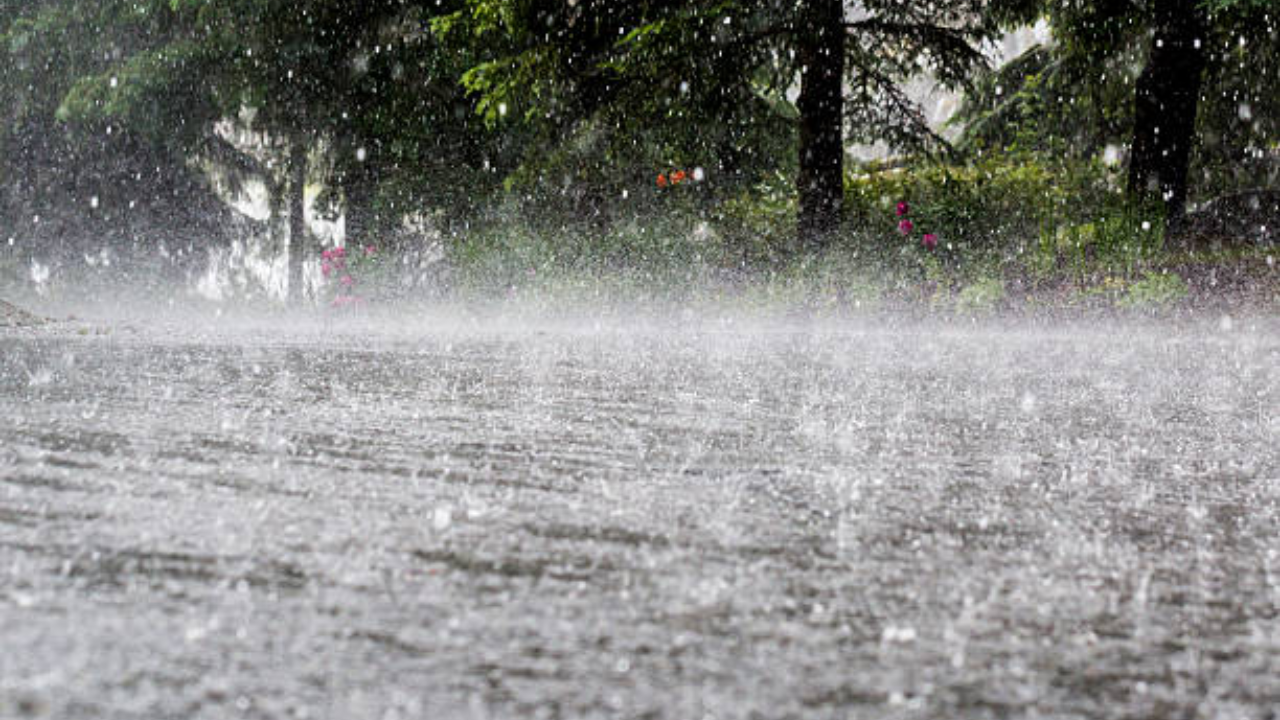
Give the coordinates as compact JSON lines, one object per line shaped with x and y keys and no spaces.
{"x":1165,"y":103}
{"x":357,"y":194}
{"x":821,"y":103}
{"x":297,"y":217}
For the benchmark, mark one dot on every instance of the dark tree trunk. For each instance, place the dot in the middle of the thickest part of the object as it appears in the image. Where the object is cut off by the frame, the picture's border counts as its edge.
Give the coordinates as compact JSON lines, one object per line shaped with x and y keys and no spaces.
{"x":1165,"y":103}
{"x":821,"y":179}
{"x":357,"y":193}
{"x":297,"y":217}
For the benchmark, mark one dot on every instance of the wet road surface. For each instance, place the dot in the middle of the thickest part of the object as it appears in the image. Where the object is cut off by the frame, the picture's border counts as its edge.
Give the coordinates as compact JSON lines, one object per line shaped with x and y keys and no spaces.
{"x":710,"y":521}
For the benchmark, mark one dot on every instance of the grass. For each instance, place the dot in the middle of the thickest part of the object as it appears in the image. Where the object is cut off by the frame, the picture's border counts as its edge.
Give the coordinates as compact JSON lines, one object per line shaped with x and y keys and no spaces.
{"x":1013,"y":236}
{"x":1112,"y":264}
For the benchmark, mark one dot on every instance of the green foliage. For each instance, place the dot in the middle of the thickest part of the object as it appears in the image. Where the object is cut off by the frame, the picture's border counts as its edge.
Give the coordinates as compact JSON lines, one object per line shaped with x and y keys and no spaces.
{"x":1043,"y":102}
{"x":146,"y":82}
{"x":473,"y":113}
{"x":1075,"y":96}
{"x":755,"y":224}
{"x":507,"y":255}
{"x":996,"y":205}
{"x":1116,"y":240}
{"x":981,"y":296}
{"x":80,"y":167}
{"x":1155,"y":290}
{"x":612,"y":93}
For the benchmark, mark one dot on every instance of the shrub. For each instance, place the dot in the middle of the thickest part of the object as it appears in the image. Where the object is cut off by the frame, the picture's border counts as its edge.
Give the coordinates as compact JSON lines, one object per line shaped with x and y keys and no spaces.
{"x":1155,"y":290}
{"x":983,"y":295}
{"x":998,"y":205}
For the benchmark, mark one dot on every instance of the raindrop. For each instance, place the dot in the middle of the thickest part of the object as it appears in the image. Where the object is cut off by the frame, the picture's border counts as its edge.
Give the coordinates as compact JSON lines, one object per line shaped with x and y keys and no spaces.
{"x":93,"y":202}
{"x":361,"y":154}
{"x":42,"y":376}
{"x":1028,"y":403}
{"x":1245,"y":112}
{"x":698,"y":174}
{"x":894,"y":634}
{"x":502,"y":109}
{"x":442,"y":518}
{"x":115,"y":81}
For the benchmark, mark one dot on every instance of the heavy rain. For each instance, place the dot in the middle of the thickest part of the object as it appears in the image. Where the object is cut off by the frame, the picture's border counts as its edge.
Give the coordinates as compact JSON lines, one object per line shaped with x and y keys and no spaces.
{"x":497,"y":359}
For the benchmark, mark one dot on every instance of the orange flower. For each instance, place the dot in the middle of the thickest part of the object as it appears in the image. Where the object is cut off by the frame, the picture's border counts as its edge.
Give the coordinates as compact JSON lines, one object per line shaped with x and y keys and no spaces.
{"x":662,"y":180}
{"x":677,"y":177}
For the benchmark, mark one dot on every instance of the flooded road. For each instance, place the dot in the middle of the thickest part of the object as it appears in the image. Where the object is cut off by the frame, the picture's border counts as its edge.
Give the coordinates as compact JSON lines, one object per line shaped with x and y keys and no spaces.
{"x":710,"y":521}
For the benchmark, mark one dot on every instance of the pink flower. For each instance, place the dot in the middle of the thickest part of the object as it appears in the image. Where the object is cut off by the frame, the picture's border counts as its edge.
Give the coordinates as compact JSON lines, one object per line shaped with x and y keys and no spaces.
{"x":903,"y":208}
{"x":905,"y":227}
{"x":930,"y":241}
{"x":326,"y":255}
{"x":339,"y":252}
{"x":347,"y":280}
{"x":369,"y":249}
{"x":326,"y":268}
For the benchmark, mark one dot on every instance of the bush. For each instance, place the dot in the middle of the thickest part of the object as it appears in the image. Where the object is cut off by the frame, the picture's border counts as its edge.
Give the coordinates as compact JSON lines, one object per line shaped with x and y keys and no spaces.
{"x":981,"y":296}
{"x":1156,"y":289}
{"x":998,"y":205}
{"x":757,"y":226}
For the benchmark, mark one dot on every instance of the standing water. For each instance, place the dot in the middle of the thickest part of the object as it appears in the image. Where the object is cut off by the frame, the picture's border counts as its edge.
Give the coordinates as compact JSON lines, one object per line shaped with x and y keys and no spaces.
{"x":724,"y":520}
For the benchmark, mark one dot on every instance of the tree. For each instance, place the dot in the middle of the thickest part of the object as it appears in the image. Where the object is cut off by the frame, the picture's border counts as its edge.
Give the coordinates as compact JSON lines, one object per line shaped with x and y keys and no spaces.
{"x":1166,"y":99}
{"x":1198,"y":113}
{"x":598,"y":55}
{"x":820,"y":181}
{"x":357,"y":91}
{"x":73,"y":189}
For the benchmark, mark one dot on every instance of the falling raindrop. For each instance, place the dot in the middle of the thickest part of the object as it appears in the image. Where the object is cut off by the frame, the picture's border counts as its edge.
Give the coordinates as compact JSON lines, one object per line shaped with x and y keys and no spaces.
{"x":442,"y":518}
{"x":1027,"y":403}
